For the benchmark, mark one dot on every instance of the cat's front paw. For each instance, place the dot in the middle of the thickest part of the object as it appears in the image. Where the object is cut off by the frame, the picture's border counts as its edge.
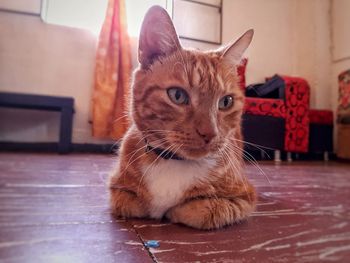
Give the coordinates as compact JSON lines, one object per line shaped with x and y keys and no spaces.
{"x":126,"y":204}
{"x":211,"y":213}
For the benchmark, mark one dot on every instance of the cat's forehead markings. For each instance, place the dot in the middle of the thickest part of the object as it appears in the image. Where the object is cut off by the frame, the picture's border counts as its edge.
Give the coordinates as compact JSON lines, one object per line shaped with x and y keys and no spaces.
{"x":179,"y":72}
{"x":220,"y":82}
{"x":196,"y":76}
{"x":201,"y":71}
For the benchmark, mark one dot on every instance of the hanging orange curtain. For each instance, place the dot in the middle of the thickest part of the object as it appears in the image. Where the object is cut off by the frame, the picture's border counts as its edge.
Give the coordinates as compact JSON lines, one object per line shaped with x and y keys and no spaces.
{"x":112,"y":75}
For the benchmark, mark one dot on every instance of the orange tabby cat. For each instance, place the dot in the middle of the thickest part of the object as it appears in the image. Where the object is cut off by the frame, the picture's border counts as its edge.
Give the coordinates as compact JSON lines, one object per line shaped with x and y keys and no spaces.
{"x":182,"y":156}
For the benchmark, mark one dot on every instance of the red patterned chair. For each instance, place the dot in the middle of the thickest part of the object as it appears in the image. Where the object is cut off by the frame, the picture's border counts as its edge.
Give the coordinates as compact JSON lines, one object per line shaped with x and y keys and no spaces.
{"x":286,"y":123}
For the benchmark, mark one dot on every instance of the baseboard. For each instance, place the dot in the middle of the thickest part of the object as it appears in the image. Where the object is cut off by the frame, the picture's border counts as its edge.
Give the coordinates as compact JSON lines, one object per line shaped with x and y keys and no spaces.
{"x":95,"y":148}
{"x":269,"y":155}
{"x":53,"y":147}
{"x":113,"y":148}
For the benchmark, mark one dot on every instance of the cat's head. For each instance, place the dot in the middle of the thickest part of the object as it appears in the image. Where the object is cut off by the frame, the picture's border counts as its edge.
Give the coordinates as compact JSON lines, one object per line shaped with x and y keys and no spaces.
{"x":183,"y":100}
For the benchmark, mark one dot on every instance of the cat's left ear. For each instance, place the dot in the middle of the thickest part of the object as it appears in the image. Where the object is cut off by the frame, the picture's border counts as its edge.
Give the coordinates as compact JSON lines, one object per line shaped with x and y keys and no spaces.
{"x":157,"y":37}
{"x":234,"y":52}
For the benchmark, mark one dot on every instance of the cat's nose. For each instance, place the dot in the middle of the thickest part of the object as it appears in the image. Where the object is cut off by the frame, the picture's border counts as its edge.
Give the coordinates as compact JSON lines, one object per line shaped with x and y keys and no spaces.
{"x":206,"y":134}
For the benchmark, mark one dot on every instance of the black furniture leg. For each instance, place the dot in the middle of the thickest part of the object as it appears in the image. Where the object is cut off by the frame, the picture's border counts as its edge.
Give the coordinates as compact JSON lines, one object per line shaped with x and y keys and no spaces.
{"x":64,"y":145}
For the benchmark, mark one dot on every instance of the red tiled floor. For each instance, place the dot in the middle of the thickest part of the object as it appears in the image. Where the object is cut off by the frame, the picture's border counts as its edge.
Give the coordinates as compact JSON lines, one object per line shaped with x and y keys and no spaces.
{"x":55,"y":209}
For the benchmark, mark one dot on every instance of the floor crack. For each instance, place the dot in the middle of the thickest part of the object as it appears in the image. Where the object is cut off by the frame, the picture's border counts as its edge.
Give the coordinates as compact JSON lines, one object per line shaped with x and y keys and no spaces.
{"x":143,"y":243}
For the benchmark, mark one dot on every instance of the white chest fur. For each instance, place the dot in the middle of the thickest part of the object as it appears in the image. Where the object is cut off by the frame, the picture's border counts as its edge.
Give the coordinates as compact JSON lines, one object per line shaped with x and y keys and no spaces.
{"x":168,"y":180}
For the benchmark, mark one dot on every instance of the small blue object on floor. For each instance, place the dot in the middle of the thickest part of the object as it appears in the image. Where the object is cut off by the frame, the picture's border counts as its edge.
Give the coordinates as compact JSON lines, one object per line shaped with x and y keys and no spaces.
{"x":152,"y":243}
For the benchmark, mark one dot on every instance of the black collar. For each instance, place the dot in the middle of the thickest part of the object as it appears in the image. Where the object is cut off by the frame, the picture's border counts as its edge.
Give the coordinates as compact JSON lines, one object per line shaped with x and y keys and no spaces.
{"x":163,"y":153}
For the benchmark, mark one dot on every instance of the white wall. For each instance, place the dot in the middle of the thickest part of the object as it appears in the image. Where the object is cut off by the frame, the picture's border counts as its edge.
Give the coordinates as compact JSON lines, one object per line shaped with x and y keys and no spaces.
{"x":292,"y":37}
{"x":75,"y":13}
{"x":45,"y":59}
{"x":32,"y":6}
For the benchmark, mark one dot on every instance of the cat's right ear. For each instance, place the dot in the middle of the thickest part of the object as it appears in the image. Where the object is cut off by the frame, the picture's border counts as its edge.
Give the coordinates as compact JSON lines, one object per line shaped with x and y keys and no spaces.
{"x":158,"y":36}
{"x":233,"y":53}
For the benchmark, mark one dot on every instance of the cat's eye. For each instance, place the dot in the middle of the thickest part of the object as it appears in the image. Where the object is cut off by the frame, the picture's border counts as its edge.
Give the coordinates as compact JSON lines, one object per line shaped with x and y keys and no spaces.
{"x":178,"y":95}
{"x":226,"y":102}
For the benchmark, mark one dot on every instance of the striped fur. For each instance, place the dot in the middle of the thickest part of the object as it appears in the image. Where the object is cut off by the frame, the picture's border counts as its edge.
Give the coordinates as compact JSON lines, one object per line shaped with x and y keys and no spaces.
{"x":208,"y":189}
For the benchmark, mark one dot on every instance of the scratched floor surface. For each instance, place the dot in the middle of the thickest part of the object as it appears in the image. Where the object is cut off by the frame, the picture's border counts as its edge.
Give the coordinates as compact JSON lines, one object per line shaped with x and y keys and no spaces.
{"x":55,"y":209}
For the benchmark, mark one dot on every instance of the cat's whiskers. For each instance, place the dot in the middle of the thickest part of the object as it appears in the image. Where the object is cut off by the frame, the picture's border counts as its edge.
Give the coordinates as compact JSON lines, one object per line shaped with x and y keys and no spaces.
{"x":161,"y":143}
{"x":125,"y":115}
{"x":118,"y":141}
{"x":251,"y":160}
{"x":235,"y":169}
{"x":223,"y":159}
{"x":237,"y":152}
{"x":174,"y":152}
{"x":259,"y":147}
{"x":121,"y":117}
{"x":114,"y":144}
{"x":152,"y":164}
{"x":243,"y":180}
{"x":145,"y":136}
{"x":167,"y":134}
{"x":139,"y":157}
